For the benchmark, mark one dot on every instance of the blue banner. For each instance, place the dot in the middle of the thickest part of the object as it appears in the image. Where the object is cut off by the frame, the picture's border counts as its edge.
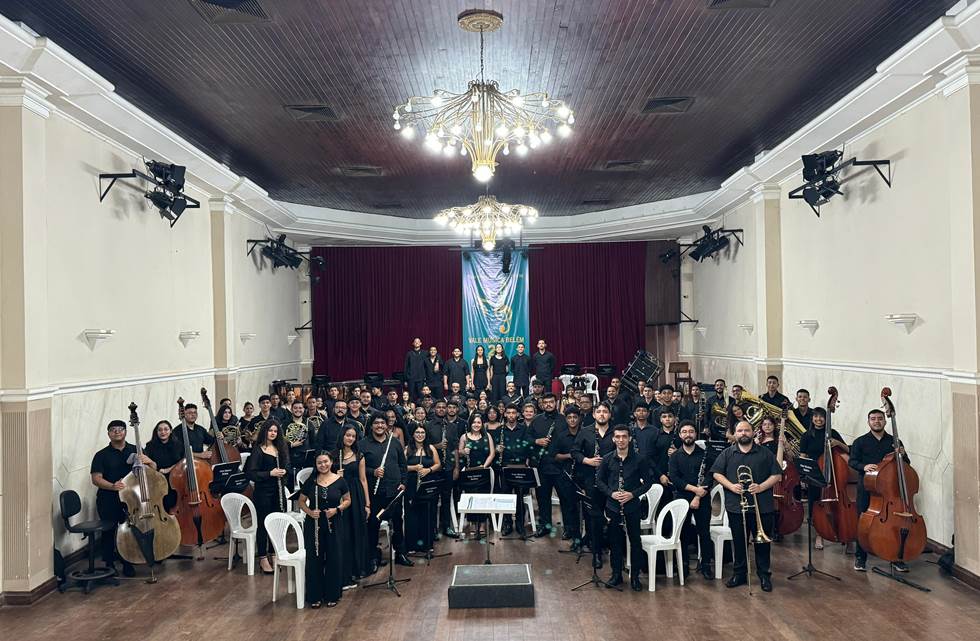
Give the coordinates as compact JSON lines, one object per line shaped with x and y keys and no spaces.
{"x":495,"y":307}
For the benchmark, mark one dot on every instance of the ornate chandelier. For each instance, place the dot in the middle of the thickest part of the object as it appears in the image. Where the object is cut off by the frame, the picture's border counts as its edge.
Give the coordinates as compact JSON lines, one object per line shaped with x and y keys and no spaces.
{"x":483,"y":122}
{"x":488,"y":217}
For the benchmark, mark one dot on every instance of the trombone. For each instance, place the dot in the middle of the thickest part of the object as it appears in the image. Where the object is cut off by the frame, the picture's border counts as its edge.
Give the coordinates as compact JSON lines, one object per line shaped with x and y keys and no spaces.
{"x":744,"y":474}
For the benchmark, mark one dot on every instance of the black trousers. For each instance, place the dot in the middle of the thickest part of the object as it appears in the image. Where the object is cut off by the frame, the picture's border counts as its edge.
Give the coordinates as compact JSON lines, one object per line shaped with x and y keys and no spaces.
{"x":523,"y":388}
{"x":415,"y":389}
{"x":446,"y":499}
{"x":699,"y":531}
{"x":394,"y":517}
{"x":566,"y":498}
{"x":498,"y":388}
{"x":435,"y":388}
{"x":863,"y":501}
{"x":595,"y":517}
{"x":761,"y":549}
{"x":617,"y":541}
{"x":110,"y":508}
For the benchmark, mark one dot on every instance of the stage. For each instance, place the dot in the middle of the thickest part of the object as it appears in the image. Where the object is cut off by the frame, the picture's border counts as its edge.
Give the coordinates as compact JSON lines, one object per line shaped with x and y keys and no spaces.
{"x":203,"y":600}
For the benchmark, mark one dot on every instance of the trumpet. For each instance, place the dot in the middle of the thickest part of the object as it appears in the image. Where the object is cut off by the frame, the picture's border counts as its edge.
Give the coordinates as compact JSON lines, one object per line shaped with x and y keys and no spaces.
{"x":744,"y":475}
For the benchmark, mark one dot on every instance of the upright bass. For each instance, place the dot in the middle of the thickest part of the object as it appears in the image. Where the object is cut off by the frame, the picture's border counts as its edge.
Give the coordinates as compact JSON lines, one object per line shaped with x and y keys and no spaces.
{"x":789,"y":511}
{"x":835,"y":516}
{"x":890,"y":528}
{"x":148,"y":534}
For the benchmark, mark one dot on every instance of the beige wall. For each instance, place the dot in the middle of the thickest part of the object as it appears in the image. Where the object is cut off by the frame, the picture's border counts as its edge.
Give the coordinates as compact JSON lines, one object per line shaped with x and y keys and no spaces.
{"x":876,"y":251}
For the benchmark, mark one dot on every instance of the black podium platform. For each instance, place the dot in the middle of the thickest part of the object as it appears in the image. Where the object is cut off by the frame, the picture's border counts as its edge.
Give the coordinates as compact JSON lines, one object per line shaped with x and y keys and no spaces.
{"x":491,"y":586}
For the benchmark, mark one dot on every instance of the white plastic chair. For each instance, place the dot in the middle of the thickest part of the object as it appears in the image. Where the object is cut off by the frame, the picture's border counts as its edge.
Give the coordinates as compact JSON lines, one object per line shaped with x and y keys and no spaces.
{"x":653,"y":496}
{"x":653,"y":543}
{"x":301,"y":477}
{"x":232,"y":504}
{"x":717,"y":492}
{"x":245,"y":456}
{"x":719,"y":534}
{"x":278,"y":525}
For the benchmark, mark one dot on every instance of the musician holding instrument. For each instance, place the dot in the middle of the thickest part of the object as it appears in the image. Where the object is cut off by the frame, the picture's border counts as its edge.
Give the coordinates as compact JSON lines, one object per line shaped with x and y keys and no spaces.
{"x":268,"y":468}
{"x":591,"y":445}
{"x":165,"y":450}
{"x":544,"y":429}
{"x":297,"y":435}
{"x":564,"y":445}
{"x":110,"y":465}
{"x":199,"y":436}
{"x":866,"y":453}
{"x":687,"y":471}
{"x":765,"y":473}
{"x":444,"y":433}
{"x":812,"y":446}
{"x":476,"y":449}
{"x":514,"y":449}
{"x":350,"y":463}
{"x":622,"y":478}
{"x":385,"y":468}
{"x":421,"y":461}
{"x":323,"y":498}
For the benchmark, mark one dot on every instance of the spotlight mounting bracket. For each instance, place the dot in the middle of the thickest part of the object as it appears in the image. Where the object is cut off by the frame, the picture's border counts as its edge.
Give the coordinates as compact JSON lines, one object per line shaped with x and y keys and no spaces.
{"x":833,"y":186}
{"x":191,"y":203}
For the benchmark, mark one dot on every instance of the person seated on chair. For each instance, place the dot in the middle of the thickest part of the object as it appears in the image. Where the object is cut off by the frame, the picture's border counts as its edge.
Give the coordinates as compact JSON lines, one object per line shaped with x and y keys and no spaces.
{"x":691,"y":483}
{"x":110,"y":465}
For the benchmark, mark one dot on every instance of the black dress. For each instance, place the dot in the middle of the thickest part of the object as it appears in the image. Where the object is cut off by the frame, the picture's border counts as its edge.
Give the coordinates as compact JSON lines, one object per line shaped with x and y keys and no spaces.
{"x":420,"y":521}
{"x":324,"y":580}
{"x":357,"y":560}
{"x":480,"y":380}
{"x":500,"y":366}
{"x":479,"y":450}
{"x":268,"y":494}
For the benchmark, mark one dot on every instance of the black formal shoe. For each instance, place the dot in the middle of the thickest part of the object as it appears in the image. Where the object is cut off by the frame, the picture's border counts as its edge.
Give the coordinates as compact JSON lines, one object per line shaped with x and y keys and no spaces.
{"x":615,"y":580}
{"x":735,"y":581}
{"x":597,"y":561}
{"x":766,"y":583}
{"x":707,"y":573}
{"x":130,"y":571}
{"x":508,"y":529}
{"x":401,"y":559}
{"x":542,"y":531}
{"x":635,"y":584}
{"x":451,"y":533}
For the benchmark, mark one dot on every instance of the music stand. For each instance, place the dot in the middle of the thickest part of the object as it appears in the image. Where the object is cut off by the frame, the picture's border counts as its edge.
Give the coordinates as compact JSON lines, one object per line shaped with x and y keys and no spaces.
{"x":521,"y":478}
{"x":227,"y":477}
{"x":428,"y":492}
{"x":810,"y":474}
{"x":584,"y":507}
{"x":477,"y":480}
{"x":391,"y":582}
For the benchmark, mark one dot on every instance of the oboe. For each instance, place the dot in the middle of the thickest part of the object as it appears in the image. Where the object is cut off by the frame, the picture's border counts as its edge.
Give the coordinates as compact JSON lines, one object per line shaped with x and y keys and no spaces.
{"x":282,"y":505}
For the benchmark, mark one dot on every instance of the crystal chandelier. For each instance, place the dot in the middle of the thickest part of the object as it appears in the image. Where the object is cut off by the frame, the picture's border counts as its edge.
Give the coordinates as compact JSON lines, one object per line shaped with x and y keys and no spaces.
{"x":489,"y":217}
{"x":483,"y":121}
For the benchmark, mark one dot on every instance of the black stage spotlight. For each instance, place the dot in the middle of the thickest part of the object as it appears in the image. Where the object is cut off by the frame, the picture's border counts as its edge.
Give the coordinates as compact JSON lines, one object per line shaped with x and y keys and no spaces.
{"x":821,"y":193}
{"x":819,"y":166}
{"x":820,"y":173}
{"x":170,"y":177}
{"x":167,"y":196}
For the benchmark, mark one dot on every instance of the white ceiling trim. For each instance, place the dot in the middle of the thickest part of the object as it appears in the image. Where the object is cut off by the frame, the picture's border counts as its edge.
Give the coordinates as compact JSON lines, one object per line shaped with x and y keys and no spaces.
{"x":909,"y":75}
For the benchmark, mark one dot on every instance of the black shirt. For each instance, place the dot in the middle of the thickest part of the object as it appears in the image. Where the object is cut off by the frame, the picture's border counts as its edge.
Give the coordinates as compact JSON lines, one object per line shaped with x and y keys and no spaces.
{"x":564,"y":443}
{"x":806,"y":420}
{"x":113,"y":464}
{"x":684,"y":469}
{"x":539,"y":428}
{"x":660,"y":445}
{"x":394,"y":464}
{"x":585,"y":447}
{"x":328,"y":436}
{"x":637,"y":478}
{"x":812,"y":441}
{"x":456,"y":371}
{"x":543,"y":365}
{"x":434,"y":369}
{"x":415,"y":365}
{"x":763,"y":464}
{"x":866,"y":449}
{"x":520,"y":367}
{"x":437,"y":428}
{"x":498,"y":366}
{"x":199,"y":437}
{"x":642,"y":440}
{"x":164,"y":454}
{"x":777,"y":399}
{"x":517,"y":445}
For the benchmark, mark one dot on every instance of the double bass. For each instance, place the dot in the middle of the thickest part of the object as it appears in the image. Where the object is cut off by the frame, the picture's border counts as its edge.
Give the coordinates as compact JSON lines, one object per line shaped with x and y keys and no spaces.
{"x":789,"y":511}
{"x":835,"y":516}
{"x":149,"y":534}
{"x":198,"y":512}
{"x":890,"y":528}
{"x":226,"y":453}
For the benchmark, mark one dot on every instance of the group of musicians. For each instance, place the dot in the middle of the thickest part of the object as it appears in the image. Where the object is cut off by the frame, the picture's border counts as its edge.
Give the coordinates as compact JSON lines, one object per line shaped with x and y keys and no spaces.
{"x":371,"y":453}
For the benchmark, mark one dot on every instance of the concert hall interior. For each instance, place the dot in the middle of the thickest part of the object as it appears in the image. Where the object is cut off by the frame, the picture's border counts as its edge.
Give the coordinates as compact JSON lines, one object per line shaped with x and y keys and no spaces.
{"x":512,"y":318}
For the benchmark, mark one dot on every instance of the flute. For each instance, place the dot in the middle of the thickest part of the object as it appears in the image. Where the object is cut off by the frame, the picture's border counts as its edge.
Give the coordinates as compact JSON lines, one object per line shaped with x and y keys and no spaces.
{"x":316,"y":521}
{"x":282,"y":506}
{"x":384,"y":457}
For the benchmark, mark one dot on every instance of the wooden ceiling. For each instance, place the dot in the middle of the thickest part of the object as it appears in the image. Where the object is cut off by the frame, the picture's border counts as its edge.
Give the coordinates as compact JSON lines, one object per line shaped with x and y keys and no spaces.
{"x":755,"y":76}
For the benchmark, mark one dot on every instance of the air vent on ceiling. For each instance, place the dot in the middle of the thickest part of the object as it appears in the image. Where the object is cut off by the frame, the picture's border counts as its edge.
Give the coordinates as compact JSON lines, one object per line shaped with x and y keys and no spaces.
{"x":594,"y":202}
{"x":671,"y":105}
{"x":388,"y":205}
{"x":360,"y":171}
{"x":312,"y":113}
{"x":625,"y":165}
{"x":740,"y":4}
{"x":221,"y":12}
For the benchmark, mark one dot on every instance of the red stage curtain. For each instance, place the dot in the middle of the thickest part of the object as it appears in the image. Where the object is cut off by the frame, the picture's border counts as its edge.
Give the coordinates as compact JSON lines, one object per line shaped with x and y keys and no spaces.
{"x":587,"y":301}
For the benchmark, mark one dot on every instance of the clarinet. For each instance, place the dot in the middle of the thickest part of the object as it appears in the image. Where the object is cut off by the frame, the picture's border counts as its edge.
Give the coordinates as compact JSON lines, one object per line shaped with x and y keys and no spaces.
{"x":316,"y":521}
{"x":700,"y":418}
{"x":622,"y":511}
{"x":704,"y":460}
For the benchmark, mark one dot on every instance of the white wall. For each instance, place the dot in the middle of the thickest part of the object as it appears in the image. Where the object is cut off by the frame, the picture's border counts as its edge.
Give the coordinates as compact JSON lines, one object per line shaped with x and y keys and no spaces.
{"x":874,"y":252}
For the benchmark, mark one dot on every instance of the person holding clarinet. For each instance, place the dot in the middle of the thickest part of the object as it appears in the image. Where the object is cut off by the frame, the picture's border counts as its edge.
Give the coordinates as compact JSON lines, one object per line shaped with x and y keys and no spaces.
{"x":385,"y":465}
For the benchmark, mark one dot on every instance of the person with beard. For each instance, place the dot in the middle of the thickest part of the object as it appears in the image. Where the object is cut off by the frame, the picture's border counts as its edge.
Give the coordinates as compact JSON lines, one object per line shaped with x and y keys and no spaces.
{"x":773,"y":396}
{"x":544,"y":430}
{"x":367,"y":406}
{"x":513,"y":451}
{"x":543,"y":364}
{"x":434,"y":372}
{"x":586,"y":405}
{"x":414,"y":370}
{"x":620,"y":407}
{"x":511,"y":396}
{"x":331,"y":429}
{"x":385,"y":468}
{"x":765,"y":474}
{"x":443,"y":432}
{"x":456,"y":370}
{"x":622,"y":478}
{"x":684,"y":470}
{"x":520,"y":369}
{"x":591,"y":445}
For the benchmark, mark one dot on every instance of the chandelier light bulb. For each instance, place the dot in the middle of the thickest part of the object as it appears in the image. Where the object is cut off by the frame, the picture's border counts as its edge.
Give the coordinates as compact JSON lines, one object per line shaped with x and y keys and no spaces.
{"x":563,"y":112}
{"x":564,"y":130}
{"x":519,"y":132}
{"x":436,"y":101}
{"x":408,"y":106}
{"x":506,"y":150}
{"x":571,"y":119}
{"x":488,"y":245}
{"x":396,"y":115}
{"x":409,"y":132}
{"x":546,"y":136}
{"x":501,"y":130}
{"x":483,"y":173}
{"x":522,"y":149}
{"x":398,"y":126}
{"x":462,"y":151}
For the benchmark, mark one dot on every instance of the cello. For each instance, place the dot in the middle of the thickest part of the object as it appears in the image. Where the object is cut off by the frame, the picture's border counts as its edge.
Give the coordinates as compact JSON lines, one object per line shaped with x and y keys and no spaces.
{"x":149,"y":534}
{"x":789,"y":511}
{"x":890,"y":528}
{"x":199,"y":514}
{"x":226,"y":454}
{"x":835,"y":516}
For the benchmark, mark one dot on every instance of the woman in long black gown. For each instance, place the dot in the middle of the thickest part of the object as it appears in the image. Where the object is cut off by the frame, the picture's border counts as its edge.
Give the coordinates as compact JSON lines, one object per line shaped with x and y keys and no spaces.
{"x":420,"y":522}
{"x":324,"y":497}
{"x":357,"y":561}
{"x":476,"y":450}
{"x":267,"y":468}
{"x":499,"y":366}
{"x":480,"y":365}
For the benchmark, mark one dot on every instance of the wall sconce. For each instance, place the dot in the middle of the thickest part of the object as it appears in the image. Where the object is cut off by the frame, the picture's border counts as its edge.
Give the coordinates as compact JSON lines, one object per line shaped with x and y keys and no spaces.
{"x":246,"y":337}
{"x":95,"y":336}
{"x":701,"y":329}
{"x":811,"y":325}
{"x":906,"y":321}
{"x":291,"y":337}
{"x":747,"y":328}
{"x":187,"y":336}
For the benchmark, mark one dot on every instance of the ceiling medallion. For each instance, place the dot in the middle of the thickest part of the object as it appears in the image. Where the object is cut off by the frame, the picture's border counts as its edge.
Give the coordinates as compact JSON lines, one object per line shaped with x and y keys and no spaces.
{"x":488,"y":217}
{"x":483,"y":121}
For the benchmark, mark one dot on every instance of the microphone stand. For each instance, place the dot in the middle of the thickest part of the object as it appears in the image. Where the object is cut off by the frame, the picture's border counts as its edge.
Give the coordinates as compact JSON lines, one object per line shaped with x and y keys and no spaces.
{"x":391,"y":582}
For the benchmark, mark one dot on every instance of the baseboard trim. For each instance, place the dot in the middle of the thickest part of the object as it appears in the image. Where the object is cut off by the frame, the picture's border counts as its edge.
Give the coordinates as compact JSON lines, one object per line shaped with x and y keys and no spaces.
{"x":28,"y":598}
{"x":959,"y":573}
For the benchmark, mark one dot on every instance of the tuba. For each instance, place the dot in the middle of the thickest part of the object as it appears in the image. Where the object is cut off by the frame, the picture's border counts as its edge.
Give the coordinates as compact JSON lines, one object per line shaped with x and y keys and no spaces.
{"x":757,"y":409}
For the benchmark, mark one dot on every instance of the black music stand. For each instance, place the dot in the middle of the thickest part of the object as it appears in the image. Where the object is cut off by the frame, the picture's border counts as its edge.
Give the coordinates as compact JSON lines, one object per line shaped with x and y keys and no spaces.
{"x":428,"y":492}
{"x":391,"y":582}
{"x":227,"y":477}
{"x":810,"y":474}
{"x":584,"y":508}
{"x":521,"y":478}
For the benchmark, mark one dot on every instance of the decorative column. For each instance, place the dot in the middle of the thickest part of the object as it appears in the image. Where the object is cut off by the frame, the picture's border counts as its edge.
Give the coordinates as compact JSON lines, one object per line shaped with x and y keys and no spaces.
{"x":222,"y":284}
{"x":769,"y":286}
{"x":305,"y":316}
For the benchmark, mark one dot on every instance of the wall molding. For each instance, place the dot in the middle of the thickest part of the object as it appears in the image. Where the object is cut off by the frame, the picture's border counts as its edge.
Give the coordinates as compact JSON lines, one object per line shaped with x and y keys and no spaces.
{"x":913,"y":73}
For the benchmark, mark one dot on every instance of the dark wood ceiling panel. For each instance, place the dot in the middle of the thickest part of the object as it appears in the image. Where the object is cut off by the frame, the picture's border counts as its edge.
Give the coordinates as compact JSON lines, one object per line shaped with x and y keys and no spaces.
{"x":755,"y":77}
